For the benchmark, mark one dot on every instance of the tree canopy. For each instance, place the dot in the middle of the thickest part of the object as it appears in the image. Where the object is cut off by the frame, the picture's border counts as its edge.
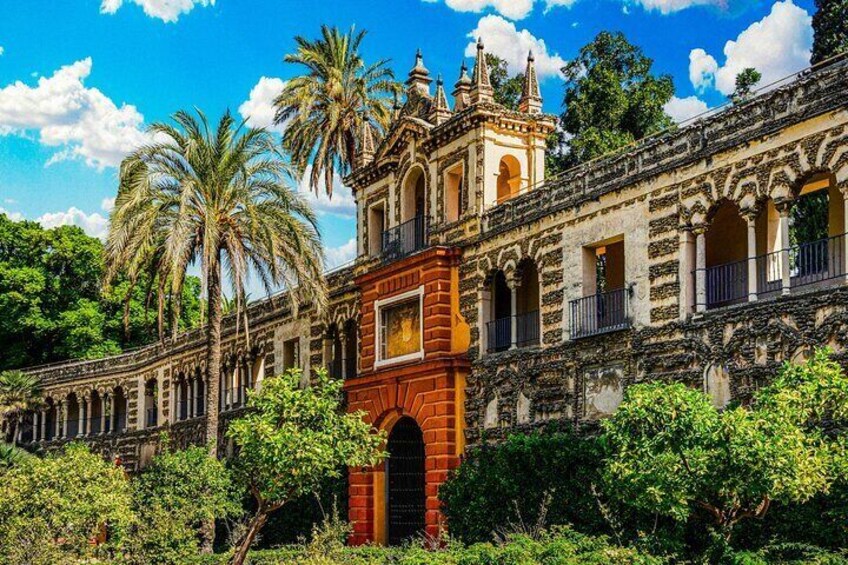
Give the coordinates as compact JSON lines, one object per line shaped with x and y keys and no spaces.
{"x":507,"y":88}
{"x":830,"y":29}
{"x":674,"y":453}
{"x":53,"y":303}
{"x":611,"y":98}
{"x":292,"y":439}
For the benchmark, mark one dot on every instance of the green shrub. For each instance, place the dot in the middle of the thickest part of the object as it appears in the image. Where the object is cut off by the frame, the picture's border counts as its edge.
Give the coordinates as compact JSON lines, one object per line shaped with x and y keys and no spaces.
{"x":502,"y":487}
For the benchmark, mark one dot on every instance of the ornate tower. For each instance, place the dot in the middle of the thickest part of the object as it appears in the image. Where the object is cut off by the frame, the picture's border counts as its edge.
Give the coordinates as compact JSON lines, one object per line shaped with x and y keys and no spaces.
{"x":531,"y":98}
{"x":481,"y":89}
{"x":419,"y":79}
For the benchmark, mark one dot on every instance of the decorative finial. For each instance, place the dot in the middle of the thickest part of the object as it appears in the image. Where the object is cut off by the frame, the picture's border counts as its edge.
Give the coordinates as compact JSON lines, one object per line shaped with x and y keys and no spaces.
{"x":440,"y":112}
{"x":462,"y":89}
{"x":531,"y":97}
{"x":419,"y":77}
{"x":482,"y":90}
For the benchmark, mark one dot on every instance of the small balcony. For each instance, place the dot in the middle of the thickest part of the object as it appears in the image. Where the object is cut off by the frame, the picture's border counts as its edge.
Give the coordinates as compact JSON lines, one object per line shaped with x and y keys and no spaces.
{"x":601,"y":313}
{"x":812,"y":264}
{"x":500,"y":331}
{"x":404,"y":239}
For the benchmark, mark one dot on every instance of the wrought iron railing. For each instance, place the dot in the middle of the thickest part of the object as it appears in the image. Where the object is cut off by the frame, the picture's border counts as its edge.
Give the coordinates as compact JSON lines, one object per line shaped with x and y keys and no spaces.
{"x":499,"y":334}
{"x":152,"y":419}
{"x":727,"y":283}
{"x":336,"y":368}
{"x":600,"y":313}
{"x":405,"y":239}
{"x":809,"y":263}
{"x":817,"y":261}
{"x":527,"y":329}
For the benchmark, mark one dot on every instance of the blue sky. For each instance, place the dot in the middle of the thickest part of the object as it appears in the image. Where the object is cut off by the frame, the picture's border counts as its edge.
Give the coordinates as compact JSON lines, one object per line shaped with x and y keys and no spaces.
{"x":80,"y":79}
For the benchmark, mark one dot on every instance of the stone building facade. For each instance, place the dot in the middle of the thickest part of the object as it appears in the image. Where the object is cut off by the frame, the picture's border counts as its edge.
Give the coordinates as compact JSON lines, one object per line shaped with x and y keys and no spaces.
{"x":486,"y":299}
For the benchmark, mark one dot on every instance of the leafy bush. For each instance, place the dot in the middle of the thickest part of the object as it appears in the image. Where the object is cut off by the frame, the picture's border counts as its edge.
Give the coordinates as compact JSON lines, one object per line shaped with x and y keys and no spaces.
{"x":501,"y":487}
{"x":174,"y":496}
{"x":52,"y":508}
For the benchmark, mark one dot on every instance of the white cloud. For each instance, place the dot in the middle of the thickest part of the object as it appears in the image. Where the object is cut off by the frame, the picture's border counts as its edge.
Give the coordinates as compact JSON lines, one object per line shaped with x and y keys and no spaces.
{"x":94,"y":224}
{"x":777,"y":46}
{"x":342,"y":203}
{"x":337,"y":256}
{"x":670,"y":6}
{"x":2,"y":50}
{"x":165,"y":10}
{"x":503,"y":39}
{"x":702,"y":69}
{"x":83,"y":122}
{"x":512,"y":9}
{"x":107,"y":204}
{"x":258,"y":110}
{"x":14,"y":216}
{"x":681,"y":109}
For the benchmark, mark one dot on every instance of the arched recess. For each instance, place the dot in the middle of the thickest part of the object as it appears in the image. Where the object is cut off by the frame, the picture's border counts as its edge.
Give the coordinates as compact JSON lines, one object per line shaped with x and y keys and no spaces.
{"x":496,"y":313}
{"x":726,"y":256}
{"x":119,"y":417}
{"x":413,"y":196}
{"x":73,"y":417}
{"x":527,"y":304}
{"x":816,"y":230}
{"x":509,"y":178}
{"x":405,"y":482}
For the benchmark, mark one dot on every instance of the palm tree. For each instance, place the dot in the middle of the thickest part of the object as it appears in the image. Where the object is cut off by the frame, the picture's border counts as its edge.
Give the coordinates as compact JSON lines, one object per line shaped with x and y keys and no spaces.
{"x":19,"y":393}
{"x":223,"y":199}
{"x":324,"y":108}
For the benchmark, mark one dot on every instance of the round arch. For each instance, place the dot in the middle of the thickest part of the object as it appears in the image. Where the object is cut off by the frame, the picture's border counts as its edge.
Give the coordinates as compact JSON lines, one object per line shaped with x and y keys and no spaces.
{"x":413,"y":194}
{"x":405,"y":481}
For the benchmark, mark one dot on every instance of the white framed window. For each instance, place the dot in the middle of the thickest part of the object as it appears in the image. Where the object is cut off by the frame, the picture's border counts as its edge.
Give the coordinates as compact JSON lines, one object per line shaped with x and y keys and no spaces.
{"x":400,"y":328}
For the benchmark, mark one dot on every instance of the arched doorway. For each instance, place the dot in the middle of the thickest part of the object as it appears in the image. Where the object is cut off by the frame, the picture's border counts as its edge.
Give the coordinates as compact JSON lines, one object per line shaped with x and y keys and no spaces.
{"x":405,"y":484}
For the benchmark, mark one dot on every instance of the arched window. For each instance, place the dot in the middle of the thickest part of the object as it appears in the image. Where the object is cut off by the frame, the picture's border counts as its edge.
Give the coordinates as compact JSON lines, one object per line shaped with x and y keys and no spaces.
{"x":497,"y":311}
{"x":119,"y":417}
{"x":726,"y":256}
{"x":350,"y":349}
{"x":406,"y":500}
{"x":96,"y":417}
{"x":816,"y":232}
{"x":413,"y":205}
{"x":73,"y":417}
{"x":151,"y":412}
{"x":527,"y":304}
{"x":509,"y":178}
{"x":453,"y":193}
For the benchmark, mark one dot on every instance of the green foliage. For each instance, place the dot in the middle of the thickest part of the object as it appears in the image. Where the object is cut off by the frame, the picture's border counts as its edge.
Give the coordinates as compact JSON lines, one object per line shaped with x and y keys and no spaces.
{"x":52,"y":507}
{"x":611,"y":98}
{"x":746,"y":80}
{"x":52,"y":300}
{"x":11,"y":456}
{"x":293,"y":439}
{"x":507,"y":484}
{"x":672,"y":452}
{"x":830,"y":29}
{"x":559,"y":546}
{"x":177,"y":493}
{"x":325,"y":107}
{"x":507,"y":89}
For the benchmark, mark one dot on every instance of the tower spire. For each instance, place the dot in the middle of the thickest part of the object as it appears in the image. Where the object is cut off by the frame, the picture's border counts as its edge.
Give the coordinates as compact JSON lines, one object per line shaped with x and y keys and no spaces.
{"x":481,"y":90}
{"x":531,"y":97}
{"x":440,"y":111}
{"x":462,"y":89}
{"x":419,"y":78}
{"x":366,"y":143}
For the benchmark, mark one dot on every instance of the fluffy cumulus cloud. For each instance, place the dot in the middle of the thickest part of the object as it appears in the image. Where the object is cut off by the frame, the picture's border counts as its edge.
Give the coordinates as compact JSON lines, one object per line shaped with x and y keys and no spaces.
{"x":341,"y":204}
{"x":94,"y":224}
{"x":682,"y":109}
{"x":82,"y":122}
{"x":345,"y":253}
{"x":502,"y":38}
{"x":165,"y":10}
{"x":512,"y":9}
{"x":259,"y":109}
{"x":777,"y":46}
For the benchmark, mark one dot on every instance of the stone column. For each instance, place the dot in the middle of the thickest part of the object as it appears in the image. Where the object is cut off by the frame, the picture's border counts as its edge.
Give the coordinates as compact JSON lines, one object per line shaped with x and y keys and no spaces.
{"x":86,"y":421}
{"x":513,"y":311}
{"x":57,"y":425}
{"x":343,"y":341}
{"x":113,"y":416}
{"x":751,"y":219}
{"x":64,"y":417}
{"x":844,"y":238}
{"x":192,"y":397}
{"x":43,"y":422}
{"x":103,"y":413}
{"x":700,"y":269}
{"x":786,"y":275}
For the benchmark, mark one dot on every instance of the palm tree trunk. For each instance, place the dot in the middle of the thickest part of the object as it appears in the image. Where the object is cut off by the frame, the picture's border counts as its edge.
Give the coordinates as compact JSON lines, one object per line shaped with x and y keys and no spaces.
{"x":213,"y":372}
